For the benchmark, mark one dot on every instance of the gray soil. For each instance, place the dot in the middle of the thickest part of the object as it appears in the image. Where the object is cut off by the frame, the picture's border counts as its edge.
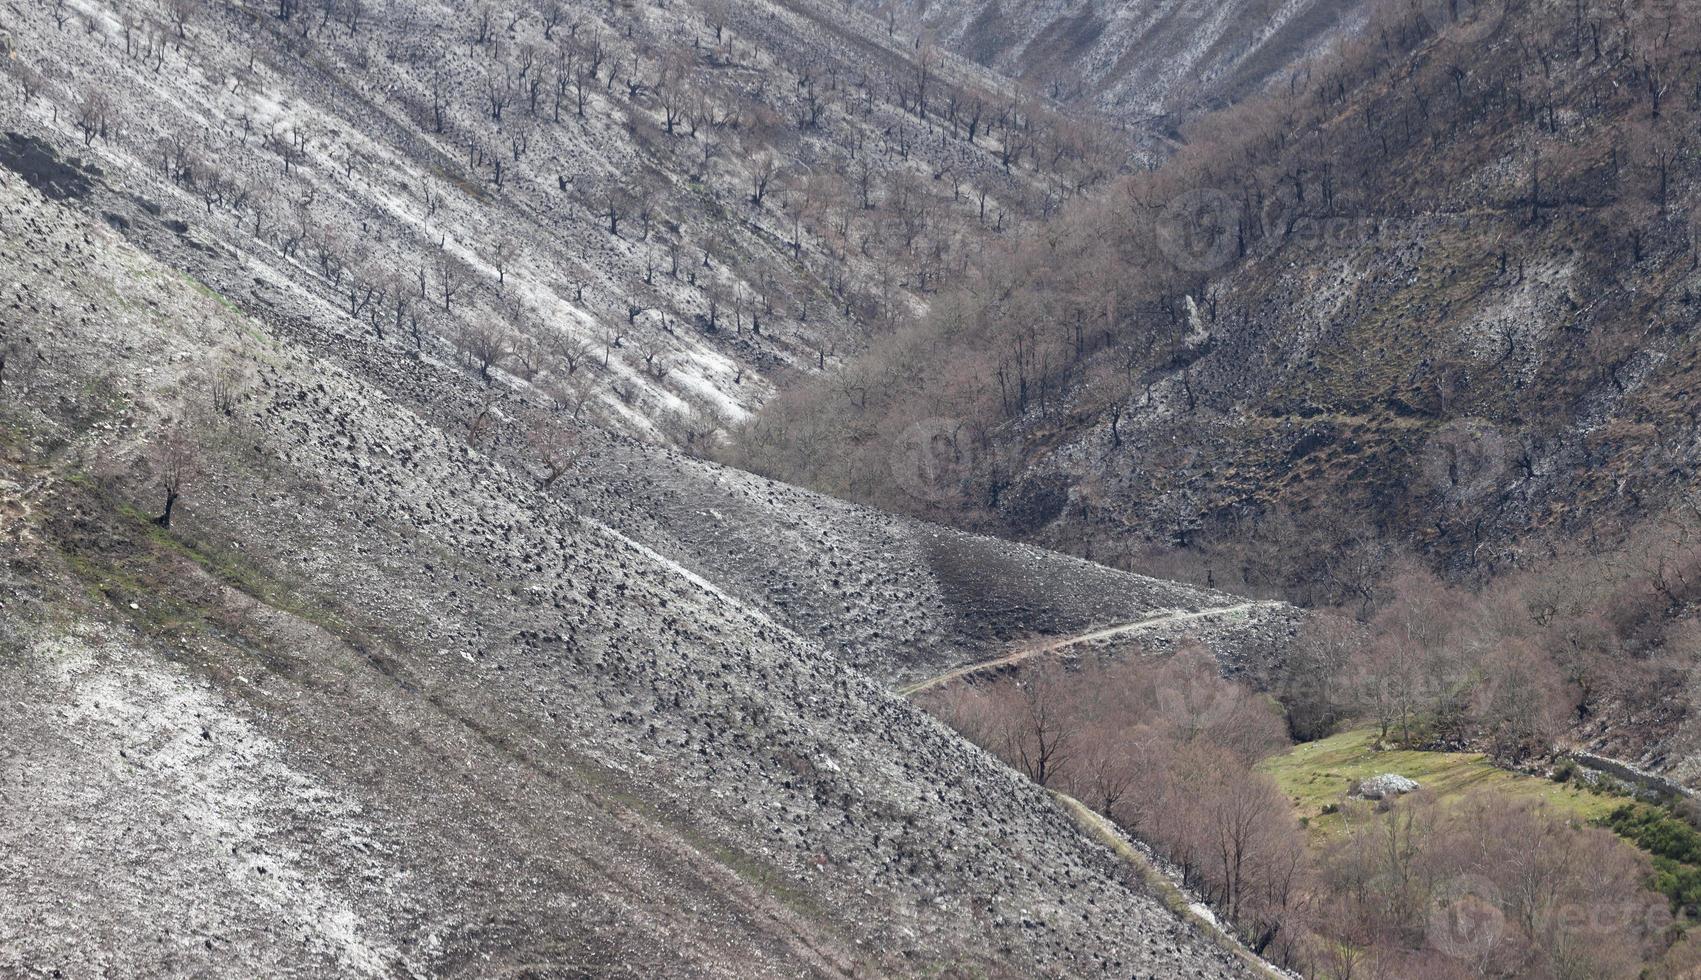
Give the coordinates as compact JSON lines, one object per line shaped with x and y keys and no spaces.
{"x":375,"y":705}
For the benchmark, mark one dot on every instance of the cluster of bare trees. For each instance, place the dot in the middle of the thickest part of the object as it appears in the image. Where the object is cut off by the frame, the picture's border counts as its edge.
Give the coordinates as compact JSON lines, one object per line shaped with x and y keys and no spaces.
{"x":1167,"y":753}
{"x":1483,"y":888}
{"x":1588,"y":638}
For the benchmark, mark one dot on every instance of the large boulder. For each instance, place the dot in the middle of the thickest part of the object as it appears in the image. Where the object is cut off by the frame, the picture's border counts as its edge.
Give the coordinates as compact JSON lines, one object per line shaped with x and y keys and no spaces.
{"x":1385,"y":786}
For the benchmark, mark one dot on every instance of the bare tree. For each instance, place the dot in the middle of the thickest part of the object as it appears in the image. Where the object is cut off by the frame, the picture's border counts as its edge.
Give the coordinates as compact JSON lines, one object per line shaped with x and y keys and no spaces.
{"x":503,"y":254}
{"x":611,"y":338}
{"x":613,"y":200}
{"x":655,"y":357}
{"x":224,"y":387}
{"x":181,"y":13}
{"x":1041,"y":736}
{"x":452,"y":275}
{"x":93,"y":111}
{"x":486,"y":343}
{"x":174,"y":460}
{"x":571,"y":350}
{"x":764,"y":169}
{"x":556,"y":446}
{"x":552,"y":14}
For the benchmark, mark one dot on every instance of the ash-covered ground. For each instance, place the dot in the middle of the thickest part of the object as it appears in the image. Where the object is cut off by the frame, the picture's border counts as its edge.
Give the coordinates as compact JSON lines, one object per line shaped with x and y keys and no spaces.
{"x":376,"y":704}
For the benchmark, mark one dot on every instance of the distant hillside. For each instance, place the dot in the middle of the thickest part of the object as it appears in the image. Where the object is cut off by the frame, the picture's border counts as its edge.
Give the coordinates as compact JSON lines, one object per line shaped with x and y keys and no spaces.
{"x":1437,"y":298}
{"x":1139,"y":60}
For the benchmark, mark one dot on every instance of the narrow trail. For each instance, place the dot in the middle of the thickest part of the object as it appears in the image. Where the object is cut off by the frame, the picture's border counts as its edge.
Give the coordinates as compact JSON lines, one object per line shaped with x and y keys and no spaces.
{"x":1053,"y":645}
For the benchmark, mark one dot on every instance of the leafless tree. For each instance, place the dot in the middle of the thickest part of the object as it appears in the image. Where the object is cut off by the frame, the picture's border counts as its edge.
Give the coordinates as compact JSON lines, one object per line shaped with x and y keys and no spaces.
{"x":503,"y":254}
{"x":655,"y":358}
{"x":1042,"y":735}
{"x":552,"y":13}
{"x":181,"y":13}
{"x":764,"y":169}
{"x":611,"y":338}
{"x":572,"y":351}
{"x":556,"y":446}
{"x":28,"y":78}
{"x":93,"y":112}
{"x":452,"y":275}
{"x":486,"y":343}
{"x":175,"y":462}
{"x":613,"y":200}
{"x":224,"y":386}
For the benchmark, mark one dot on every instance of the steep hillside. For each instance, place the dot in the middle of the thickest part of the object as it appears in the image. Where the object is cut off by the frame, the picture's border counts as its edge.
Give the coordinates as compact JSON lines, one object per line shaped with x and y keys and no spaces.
{"x":305,"y":673}
{"x":1137,"y":61}
{"x":1436,"y":298}
{"x":647,"y":211}
{"x":895,"y":598}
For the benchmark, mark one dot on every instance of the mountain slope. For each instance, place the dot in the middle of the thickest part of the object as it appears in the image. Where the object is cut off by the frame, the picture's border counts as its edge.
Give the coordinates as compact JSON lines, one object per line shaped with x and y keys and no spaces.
{"x":1427,"y":297}
{"x":895,"y":598}
{"x":1136,"y":61}
{"x":374,"y":703}
{"x":649,"y":212}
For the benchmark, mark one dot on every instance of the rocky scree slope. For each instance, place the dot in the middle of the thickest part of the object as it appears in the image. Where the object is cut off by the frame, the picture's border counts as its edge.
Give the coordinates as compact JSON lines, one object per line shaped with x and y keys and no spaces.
{"x":375,"y":704}
{"x":897,"y":598}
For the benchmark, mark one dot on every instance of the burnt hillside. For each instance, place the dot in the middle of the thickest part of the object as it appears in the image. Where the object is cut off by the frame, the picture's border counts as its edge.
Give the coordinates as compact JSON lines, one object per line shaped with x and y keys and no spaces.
{"x":1438,"y":295}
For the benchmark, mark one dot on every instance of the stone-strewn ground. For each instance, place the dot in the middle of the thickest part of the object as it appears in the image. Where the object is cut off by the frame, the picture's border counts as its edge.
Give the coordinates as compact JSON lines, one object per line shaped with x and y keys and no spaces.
{"x":376,"y":705}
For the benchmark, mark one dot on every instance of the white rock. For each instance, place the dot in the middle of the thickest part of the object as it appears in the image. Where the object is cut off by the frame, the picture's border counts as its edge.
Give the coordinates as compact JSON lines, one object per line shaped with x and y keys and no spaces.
{"x":1386,"y":785}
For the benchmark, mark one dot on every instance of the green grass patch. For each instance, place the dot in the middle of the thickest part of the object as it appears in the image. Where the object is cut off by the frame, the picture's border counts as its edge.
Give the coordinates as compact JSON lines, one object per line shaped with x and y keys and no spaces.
{"x":1674,"y":845}
{"x":1317,"y":776}
{"x":213,"y":294}
{"x":139,"y":589}
{"x":232,"y":567}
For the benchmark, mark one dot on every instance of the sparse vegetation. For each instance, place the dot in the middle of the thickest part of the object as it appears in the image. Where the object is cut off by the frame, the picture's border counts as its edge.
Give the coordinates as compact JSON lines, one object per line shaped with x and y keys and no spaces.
{"x":369,"y":370}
